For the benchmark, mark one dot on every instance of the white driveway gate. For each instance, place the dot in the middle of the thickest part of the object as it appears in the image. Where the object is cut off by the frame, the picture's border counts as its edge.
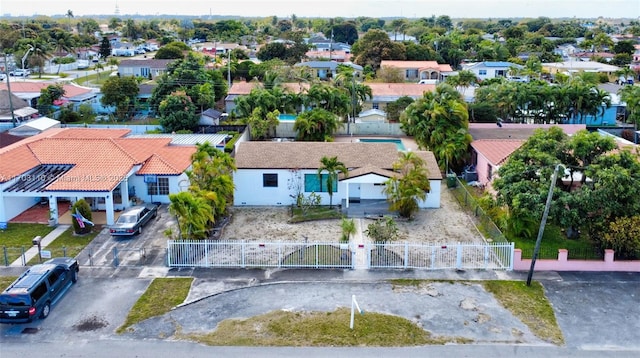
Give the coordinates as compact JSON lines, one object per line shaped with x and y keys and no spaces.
{"x":495,"y":256}
{"x":206,"y":253}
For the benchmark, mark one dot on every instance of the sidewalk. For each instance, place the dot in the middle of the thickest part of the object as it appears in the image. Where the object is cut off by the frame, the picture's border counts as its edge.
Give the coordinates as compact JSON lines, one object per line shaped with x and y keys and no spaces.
{"x":33,"y":251}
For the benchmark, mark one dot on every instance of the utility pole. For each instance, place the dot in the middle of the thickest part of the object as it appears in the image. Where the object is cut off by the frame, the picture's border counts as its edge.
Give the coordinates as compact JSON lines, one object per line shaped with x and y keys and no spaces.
{"x":6,"y":73}
{"x":229,"y":69}
{"x":554,"y":177}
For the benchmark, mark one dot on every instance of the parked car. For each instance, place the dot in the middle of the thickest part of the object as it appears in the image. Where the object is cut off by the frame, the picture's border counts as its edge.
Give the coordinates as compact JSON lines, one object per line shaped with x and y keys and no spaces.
{"x":31,"y":295}
{"x":20,"y":72}
{"x":2,"y":76}
{"x":133,"y":219}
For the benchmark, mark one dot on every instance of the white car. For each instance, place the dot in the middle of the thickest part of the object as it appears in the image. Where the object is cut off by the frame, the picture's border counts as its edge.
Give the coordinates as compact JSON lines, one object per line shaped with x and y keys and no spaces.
{"x":20,"y":73}
{"x":2,"y":76}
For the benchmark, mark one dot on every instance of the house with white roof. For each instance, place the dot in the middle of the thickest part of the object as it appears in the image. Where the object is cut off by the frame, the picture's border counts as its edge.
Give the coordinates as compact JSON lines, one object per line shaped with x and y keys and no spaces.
{"x":490,"y":69}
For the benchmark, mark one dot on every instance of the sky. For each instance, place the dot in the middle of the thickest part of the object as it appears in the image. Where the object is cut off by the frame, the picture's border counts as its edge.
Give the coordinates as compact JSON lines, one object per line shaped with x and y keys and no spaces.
{"x":332,"y":8}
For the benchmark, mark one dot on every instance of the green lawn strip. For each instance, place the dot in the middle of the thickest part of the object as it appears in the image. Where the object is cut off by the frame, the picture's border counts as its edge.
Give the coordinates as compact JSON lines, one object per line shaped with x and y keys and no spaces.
{"x":281,"y":328}
{"x":18,"y":237}
{"x":160,"y":297}
{"x":314,"y":214}
{"x":530,"y":305}
{"x":552,"y":240}
{"x":5,"y":281}
{"x":68,"y":244}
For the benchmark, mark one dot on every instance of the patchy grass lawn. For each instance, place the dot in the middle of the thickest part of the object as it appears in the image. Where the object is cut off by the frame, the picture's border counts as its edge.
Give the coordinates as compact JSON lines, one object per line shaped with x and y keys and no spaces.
{"x":160,"y":297}
{"x":552,"y":240}
{"x":325,"y":329}
{"x":315,"y":213}
{"x":5,"y":281}
{"x":19,"y":234}
{"x":530,"y":305}
{"x":68,"y":244}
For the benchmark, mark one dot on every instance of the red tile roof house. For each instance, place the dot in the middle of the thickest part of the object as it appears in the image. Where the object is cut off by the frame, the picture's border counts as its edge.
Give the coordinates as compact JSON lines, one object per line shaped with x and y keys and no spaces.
{"x":492,"y":145}
{"x":30,"y":92}
{"x":100,"y":165}
{"x":267,"y":171}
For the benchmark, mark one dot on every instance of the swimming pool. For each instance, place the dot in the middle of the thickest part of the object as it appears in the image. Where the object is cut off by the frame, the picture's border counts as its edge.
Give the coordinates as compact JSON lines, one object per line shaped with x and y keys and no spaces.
{"x":397,"y":142}
{"x":287,"y":117}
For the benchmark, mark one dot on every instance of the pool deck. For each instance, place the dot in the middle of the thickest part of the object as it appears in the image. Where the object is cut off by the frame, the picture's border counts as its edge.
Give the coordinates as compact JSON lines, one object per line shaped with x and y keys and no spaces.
{"x":409,"y":143}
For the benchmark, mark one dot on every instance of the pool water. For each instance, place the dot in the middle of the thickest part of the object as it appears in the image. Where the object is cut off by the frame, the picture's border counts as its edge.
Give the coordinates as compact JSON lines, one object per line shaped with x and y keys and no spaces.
{"x":287,"y":117}
{"x":397,"y":142}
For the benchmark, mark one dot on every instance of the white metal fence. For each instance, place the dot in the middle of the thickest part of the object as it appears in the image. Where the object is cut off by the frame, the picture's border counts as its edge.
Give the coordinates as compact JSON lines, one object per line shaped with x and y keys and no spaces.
{"x":251,"y":254}
{"x":496,"y":256}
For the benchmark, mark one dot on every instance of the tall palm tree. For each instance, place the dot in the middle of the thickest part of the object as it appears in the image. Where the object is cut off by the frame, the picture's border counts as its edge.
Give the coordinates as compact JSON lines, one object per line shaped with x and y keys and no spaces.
{"x":332,"y":166}
{"x":631,"y":97}
{"x":69,"y":16}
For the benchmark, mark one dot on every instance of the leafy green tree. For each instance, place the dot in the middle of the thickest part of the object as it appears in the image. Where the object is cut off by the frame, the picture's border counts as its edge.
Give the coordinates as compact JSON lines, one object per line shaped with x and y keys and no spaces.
{"x":177,"y":112}
{"x":316,"y":125}
{"x":173,"y":50}
{"x":120,"y":92}
{"x":395,"y":108}
{"x":374,"y":47}
{"x":262,"y":124}
{"x":211,"y":172}
{"x":410,"y":186}
{"x":439,"y":122}
{"x":631,"y":96}
{"x":193,"y":212}
{"x":333,"y":167}
{"x":105,"y":48}
{"x":623,"y":237}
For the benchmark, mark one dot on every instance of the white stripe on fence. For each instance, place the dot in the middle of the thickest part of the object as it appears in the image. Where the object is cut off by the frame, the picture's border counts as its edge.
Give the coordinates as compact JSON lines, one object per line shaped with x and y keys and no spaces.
{"x":251,"y":254}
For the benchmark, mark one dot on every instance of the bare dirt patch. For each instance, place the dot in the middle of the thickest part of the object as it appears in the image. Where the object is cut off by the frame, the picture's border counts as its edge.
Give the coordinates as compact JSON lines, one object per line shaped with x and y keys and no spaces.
{"x":447,"y":225}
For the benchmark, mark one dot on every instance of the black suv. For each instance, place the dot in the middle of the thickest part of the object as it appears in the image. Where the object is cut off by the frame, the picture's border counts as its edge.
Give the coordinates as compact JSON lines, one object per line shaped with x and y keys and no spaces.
{"x":32,"y":294}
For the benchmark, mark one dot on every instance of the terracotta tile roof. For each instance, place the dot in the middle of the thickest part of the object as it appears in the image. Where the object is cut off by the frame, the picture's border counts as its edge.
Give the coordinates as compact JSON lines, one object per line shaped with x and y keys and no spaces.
{"x":496,"y":150}
{"x":101,"y":158}
{"x":70,"y":90}
{"x":307,"y":155}
{"x":422,"y":65}
{"x":91,"y":133}
{"x":516,"y":130}
{"x":243,"y":88}
{"x":399,"y":89}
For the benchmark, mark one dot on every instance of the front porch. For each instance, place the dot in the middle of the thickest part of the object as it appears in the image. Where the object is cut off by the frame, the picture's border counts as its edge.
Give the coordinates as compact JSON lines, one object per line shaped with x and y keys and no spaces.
{"x":39,"y":214}
{"x":366,"y":208}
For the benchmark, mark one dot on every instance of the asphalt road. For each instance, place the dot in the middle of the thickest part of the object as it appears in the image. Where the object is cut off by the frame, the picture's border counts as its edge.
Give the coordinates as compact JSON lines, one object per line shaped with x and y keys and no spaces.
{"x":597,"y":313}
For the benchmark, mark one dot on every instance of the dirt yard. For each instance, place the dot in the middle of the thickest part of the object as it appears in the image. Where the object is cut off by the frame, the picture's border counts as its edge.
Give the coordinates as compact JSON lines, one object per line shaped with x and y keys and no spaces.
{"x":446,"y":225}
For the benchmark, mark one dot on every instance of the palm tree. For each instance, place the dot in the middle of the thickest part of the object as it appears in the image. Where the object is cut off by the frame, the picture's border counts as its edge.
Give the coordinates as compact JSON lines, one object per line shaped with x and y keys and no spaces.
{"x":98,"y":67}
{"x":39,"y":55}
{"x":316,"y":125}
{"x":348,"y":229}
{"x":333,"y":167}
{"x":410,"y":185}
{"x":631,"y":96}
{"x":211,"y":172}
{"x":69,"y":16}
{"x":193,"y":213}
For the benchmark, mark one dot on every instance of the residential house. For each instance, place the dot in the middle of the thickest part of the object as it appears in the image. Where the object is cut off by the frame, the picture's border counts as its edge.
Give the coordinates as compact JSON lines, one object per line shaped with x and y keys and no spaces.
{"x":269,"y":172}
{"x":327,"y":69}
{"x":210,"y":117}
{"x":492,"y":145}
{"x":416,"y":71}
{"x":34,"y":127}
{"x":147,"y":68}
{"x":490,"y":69}
{"x":21,"y":109}
{"x":243,"y":88}
{"x":570,"y":67}
{"x":30,"y":92}
{"x":385,"y":93}
{"x":102,"y":166}
{"x":7,"y":139}
{"x":592,"y":56}
{"x":321,"y":55}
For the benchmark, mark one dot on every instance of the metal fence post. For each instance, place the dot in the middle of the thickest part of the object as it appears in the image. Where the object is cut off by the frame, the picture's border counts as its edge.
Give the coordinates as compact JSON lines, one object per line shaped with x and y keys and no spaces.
{"x":23,"y":257}
{"x":242,"y":252}
{"x":406,"y":255}
{"x":6,"y":256}
{"x":115,"y":256}
{"x":459,"y":256}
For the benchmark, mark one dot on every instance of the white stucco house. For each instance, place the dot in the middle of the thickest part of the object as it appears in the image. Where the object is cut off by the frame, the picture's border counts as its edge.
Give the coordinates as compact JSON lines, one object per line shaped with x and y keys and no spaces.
{"x":268,"y":173}
{"x":103,"y":166}
{"x":490,"y":69}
